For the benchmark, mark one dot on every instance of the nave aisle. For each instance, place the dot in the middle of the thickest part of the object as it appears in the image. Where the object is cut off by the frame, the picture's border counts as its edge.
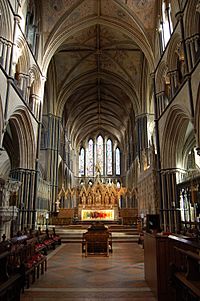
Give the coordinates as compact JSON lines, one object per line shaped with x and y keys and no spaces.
{"x":72,"y":277}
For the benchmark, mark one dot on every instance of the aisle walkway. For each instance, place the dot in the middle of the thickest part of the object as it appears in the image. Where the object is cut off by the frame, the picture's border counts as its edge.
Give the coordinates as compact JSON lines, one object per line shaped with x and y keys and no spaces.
{"x":72,"y":277}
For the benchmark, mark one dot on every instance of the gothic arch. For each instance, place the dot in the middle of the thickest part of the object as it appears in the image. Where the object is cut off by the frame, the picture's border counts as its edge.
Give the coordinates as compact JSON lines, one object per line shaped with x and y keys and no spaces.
{"x":5,"y":21}
{"x":34,"y":90}
{"x":35,"y":79}
{"x":61,"y":32}
{"x":160,"y":77}
{"x":174,"y":136}
{"x":22,"y":135}
{"x":192,"y":19}
{"x":24,"y":58}
{"x":172,"y":55}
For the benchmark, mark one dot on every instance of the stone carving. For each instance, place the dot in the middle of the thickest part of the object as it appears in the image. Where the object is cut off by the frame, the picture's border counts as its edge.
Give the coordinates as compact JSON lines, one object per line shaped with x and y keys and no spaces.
{"x":198,"y":7}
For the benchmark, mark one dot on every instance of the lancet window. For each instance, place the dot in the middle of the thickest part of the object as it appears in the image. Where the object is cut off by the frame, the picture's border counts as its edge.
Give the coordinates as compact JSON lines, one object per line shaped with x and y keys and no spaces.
{"x":166,"y":27}
{"x":100,"y":153}
{"x":82,"y":162}
{"x":117,"y":161}
{"x":90,"y":158}
{"x":109,"y":157}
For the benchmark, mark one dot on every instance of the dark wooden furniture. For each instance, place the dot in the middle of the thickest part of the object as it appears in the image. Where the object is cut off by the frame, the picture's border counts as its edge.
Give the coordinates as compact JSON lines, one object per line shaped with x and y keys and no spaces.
{"x":156,"y":264}
{"x":22,"y":261}
{"x":185,"y":268}
{"x":10,"y":284}
{"x":172,"y":267}
{"x":10,"y":290}
{"x":97,"y":240}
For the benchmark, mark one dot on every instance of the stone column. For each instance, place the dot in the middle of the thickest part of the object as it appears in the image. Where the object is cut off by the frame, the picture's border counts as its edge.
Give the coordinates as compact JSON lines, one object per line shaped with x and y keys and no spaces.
{"x":161,"y":204}
{"x":8,"y":56}
{"x":53,"y":143}
{"x":142,"y":136}
{"x":3,"y":52}
{"x":190,"y":59}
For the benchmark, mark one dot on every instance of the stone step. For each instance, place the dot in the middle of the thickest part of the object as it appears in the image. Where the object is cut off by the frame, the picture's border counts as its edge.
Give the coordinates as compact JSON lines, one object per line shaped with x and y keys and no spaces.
{"x":120,"y":233}
{"x":117,"y":240}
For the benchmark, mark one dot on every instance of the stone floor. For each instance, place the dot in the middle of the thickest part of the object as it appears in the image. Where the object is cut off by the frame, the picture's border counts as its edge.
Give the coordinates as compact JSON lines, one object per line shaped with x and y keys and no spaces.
{"x":71,"y":276}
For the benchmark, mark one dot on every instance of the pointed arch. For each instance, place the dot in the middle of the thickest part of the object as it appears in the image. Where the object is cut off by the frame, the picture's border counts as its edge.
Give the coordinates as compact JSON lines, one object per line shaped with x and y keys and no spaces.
{"x":22,"y":135}
{"x":192,"y":19}
{"x":61,"y":32}
{"x":174,"y":48}
{"x":161,"y":76}
{"x":5,"y":21}
{"x":176,"y":131}
{"x":23,"y":59}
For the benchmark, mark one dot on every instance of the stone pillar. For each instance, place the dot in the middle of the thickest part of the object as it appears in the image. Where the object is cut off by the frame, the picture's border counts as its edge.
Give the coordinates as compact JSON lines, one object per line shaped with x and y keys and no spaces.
{"x":23,"y":84}
{"x":142,"y":135}
{"x":3,"y":51}
{"x":190,"y":59}
{"x":173,"y":82}
{"x":53,"y":143}
{"x":35,"y":105}
{"x":159,"y":188}
{"x":8,"y":56}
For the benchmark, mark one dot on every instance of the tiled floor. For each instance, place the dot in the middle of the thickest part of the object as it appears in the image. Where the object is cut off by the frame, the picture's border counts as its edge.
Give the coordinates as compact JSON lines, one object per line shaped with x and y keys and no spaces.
{"x":71,"y":276}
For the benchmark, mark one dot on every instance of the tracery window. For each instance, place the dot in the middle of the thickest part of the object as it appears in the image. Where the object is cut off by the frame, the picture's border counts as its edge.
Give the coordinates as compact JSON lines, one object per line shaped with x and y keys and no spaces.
{"x":166,"y":26}
{"x":117,"y":161}
{"x":98,"y":152}
{"x":90,"y":158}
{"x":30,"y":27}
{"x":109,"y":157}
{"x":82,"y":162}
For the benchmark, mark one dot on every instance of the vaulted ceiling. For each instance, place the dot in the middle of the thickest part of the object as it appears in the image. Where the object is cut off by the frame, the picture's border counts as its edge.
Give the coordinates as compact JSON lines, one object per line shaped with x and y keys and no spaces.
{"x":100,"y":52}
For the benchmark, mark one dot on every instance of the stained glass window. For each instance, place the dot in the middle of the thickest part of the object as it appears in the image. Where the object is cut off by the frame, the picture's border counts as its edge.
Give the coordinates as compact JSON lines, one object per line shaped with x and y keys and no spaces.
{"x":117,"y":158}
{"x":82,"y":162}
{"x":99,"y":153}
{"x":109,"y":157}
{"x":90,"y":158}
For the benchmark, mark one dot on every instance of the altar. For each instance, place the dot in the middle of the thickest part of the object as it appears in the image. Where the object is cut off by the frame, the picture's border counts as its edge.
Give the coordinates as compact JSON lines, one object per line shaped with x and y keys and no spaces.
{"x":98,"y":215}
{"x":96,"y":199}
{"x":99,"y":201}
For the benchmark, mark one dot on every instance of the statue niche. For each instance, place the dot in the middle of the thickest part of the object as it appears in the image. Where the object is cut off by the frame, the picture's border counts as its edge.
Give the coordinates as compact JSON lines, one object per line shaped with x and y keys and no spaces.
{"x":98,"y":198}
